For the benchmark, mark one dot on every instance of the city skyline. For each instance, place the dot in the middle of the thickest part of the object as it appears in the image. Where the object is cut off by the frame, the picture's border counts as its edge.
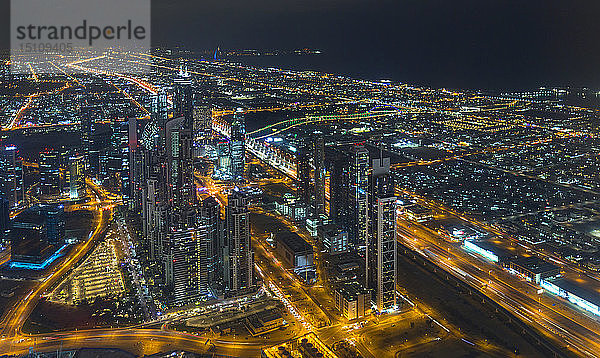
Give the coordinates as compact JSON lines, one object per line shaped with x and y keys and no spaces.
{"x":340,"y":179}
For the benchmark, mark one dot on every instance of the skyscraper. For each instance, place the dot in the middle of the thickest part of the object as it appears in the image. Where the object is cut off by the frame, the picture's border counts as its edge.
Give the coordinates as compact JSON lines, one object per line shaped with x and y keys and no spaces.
{"x":202,"y":122}
{"x":209,"y":247}
{"x":318,"y":142}
{"x":86,"y":127}
{"x":77,"y":177}
{"x":303,"y":170}
{"x":238,"y":146}
{"x":360,"y":187}
{"x":5,"y":223}
{"x":11,"y":176}
{"x":55,"y":224}
{"x":183,"y":100}
{"x":183,"y":265}
{"x":381,"y":239}
{"x":50,"y":178}
{"x":239,"y":259}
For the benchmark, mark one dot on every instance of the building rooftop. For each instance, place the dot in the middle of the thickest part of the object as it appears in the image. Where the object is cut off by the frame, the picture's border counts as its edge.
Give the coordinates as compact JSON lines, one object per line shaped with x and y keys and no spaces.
{"x":294,"y":242}
{"x":350,"y":290}
{"x":578,"y":290}
{"x":534,"y":264}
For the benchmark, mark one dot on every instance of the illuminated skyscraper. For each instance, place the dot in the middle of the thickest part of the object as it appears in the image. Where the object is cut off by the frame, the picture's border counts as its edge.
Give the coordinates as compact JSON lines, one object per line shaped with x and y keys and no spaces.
{"x":381,"y":239}
{"x":303,"y":170}
{"x":360,"y":187}
{"x":238,"y":146}
{"x":50,"y":179}
{"x":183,"y":100}
{"x":209,"y":247}
{"x":239,"y":259}
{"x":318,"y":142}
{"x":202,"y":122}
{"x":184,"y":265}
{"x":11,"y":176}
{"x":5,"y":222}
{"x":77,"y":177}
{"x":55,"y":224}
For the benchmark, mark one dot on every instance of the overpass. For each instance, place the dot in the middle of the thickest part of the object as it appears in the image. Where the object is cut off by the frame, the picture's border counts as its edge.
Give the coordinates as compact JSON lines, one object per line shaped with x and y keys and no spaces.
{"x":271,"y":155}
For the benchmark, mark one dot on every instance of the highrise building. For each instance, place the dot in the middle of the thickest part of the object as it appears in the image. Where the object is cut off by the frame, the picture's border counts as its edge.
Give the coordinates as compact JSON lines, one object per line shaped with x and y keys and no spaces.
{"x":238,"y":146}
{"x":86,"y":127}
{"x":55,"y":224}
{"x":180,"y":172}
{"x":183,"y":264}
{"x":183,"y":100}
{"x":5,"y":223}
{"x":202,"y":122}
{"x":238,"y":256}
{"x":138,"y":166}
{"x":303,"y":170}
{"x":360,"y":186}
{"x":50,"y":177}
{"x":210,"y":247}
{"x":11,"y":176}
{"x":339,"y":204}
{"x":380,"y":260}
{"x":77,"y":177}
{"x":223,"y":169}
{"x":318,"y":142}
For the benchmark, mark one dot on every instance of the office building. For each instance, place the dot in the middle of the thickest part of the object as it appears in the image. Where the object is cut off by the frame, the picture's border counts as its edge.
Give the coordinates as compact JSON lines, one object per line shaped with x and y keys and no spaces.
{"x":352,"y":300}
{"x":238,"y":146}
{"x":11,"y":176}
{"x":50,"y":176}
{"x":239,"y":260}
{"x":380,"y":258}
{"x":202,"y":122}
{"x":184,"y":266}
{"x":359,"y":182}
{"x":5,"y":223}
{"x":77,"y":188}
{"x":210,"y":247}
{"x":318,"y":142}
{"x":55,"y":224}
{"x":303,"y":170}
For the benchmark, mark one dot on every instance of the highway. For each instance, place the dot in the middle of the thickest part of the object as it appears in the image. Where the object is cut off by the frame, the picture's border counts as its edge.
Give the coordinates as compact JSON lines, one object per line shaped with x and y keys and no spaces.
{"x":16,"y":316}
{"x":562,"y":324}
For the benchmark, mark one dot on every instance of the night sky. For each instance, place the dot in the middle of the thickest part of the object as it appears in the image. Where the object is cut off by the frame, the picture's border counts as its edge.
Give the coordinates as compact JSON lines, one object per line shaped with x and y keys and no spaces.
{"x":456,"y":44}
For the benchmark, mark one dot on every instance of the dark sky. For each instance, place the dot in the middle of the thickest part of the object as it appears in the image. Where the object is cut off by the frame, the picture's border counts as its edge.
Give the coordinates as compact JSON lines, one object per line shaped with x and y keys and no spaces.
{"x":467,"y":43}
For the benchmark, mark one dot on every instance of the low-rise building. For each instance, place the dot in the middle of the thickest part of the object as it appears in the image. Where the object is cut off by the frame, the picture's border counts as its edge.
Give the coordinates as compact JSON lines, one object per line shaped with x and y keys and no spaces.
{"x":532,"y":268}
{"x":333,"y":238}
{"x":297,"y":254}
{"x":352,"y":300}
{"x":264,"y":322}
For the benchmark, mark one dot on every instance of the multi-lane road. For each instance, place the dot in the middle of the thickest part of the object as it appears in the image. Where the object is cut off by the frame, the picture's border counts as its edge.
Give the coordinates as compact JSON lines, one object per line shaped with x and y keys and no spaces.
{"x":550,"y":316}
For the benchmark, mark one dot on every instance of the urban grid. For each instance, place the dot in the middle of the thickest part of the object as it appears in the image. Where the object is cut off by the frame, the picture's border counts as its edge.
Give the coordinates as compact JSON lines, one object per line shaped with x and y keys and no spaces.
{"x":214,"y":208}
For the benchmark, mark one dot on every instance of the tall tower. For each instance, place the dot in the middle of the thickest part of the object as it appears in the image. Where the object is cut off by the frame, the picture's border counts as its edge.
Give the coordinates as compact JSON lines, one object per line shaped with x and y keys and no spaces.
{"x":11,"y":176}
{"x":319,"y":164}
{"x":183,"y":101}
{"x":202,"y":122}
{"x":239,"y":260}
{"x":185,"y":264}
{"x":381,"y":239}
{"x":360,"y":187}
{"x":238,"y":146}
{"x":77,"y":177}
{"x":209,"y":247}
{"x":50,"y":179}
{"x":86,"y":128}
{"x":303,"y":170}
